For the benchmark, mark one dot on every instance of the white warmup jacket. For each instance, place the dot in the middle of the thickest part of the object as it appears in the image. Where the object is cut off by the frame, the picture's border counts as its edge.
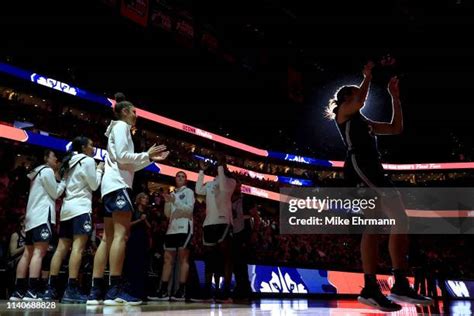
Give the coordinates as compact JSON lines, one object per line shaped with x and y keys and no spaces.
{"x":44,"y":190}
{"x":121,"y":161}
{"x":83,"y":178}
{"x":184,"y":205}
{"x":218,"y":197}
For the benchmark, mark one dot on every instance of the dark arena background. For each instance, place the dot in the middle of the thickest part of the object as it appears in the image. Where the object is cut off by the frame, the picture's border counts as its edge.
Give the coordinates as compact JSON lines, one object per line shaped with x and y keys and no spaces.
{"x":243,"y":85}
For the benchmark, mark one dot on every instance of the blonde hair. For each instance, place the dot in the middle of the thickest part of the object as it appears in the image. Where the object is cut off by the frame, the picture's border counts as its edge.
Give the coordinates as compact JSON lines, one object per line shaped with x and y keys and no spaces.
{"x":139,"y":196}
{"x":339,"y":98}
{"x":330,"y":113}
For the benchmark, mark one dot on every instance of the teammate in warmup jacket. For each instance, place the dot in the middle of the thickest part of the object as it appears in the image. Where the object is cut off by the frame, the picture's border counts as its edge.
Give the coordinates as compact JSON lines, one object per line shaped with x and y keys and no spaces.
{"x":179,"y":208}
{"x":40,"y":218}
{"x":121,"y":164}
{"x":217,"y":226}
{"x":82,"y":178}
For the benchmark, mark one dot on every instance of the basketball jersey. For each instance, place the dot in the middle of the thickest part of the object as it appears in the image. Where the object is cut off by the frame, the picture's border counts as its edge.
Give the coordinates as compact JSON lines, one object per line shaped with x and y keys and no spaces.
{"x":358,"y":136}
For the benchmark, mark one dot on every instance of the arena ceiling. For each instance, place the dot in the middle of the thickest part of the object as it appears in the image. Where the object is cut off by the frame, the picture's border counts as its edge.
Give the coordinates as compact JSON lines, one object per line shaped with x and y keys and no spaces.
{"x":91,"y":46}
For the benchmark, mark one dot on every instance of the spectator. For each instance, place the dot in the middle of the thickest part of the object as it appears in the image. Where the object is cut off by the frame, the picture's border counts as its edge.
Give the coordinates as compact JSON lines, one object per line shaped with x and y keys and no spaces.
{"x":17,"y":244}
{"x":138,"y":245}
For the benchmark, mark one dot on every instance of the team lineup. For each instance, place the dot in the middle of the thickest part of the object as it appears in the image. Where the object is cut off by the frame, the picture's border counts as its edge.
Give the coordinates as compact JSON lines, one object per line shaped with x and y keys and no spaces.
{"x":77,"y":176}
